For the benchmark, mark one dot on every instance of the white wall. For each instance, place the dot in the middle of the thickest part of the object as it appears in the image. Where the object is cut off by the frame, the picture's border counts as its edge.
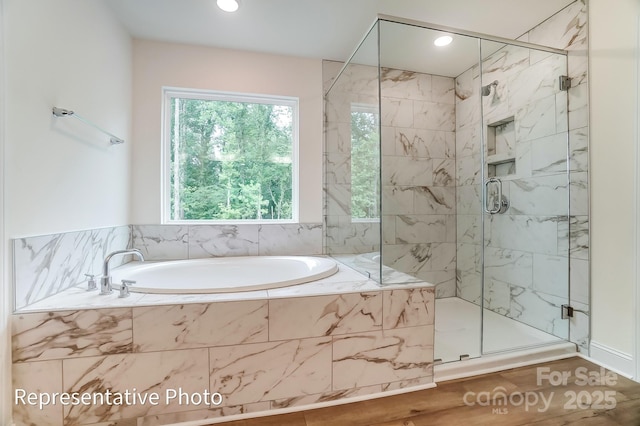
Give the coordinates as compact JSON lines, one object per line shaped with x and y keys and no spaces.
{"x":163,"y":64}
{"x":60,"y":175}
{"x":613,"y":115}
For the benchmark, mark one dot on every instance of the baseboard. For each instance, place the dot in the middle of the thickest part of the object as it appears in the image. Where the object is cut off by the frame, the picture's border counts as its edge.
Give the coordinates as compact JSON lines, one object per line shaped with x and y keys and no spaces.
{"x":503,"y":361}
{"x":612,"y":359}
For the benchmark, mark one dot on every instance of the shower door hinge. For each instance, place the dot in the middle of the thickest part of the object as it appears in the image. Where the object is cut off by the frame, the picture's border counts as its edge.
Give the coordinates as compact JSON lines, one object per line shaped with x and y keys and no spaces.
{"x":567,"y":311}
{"x":565,"y":82}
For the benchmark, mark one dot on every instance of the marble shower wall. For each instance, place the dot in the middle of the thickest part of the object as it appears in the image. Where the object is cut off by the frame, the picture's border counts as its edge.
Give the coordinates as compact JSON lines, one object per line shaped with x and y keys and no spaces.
{"x":419,"y":176}
{"x":250,"y":351}
{"x":531,"y":249}
{"x":418,"y":171}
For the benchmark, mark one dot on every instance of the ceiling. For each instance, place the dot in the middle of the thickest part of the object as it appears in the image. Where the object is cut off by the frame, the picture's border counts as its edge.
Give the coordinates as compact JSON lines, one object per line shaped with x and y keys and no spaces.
{"x":323,"y":29}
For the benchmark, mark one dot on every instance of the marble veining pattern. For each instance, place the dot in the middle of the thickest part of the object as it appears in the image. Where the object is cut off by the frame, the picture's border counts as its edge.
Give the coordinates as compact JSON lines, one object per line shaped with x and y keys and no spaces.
{"x":418,"y":169}
{"x":48,"y":264}
{"x":380,"y":357}
{"x":223,"y":240}
{"x":49,"y":335}
{"x":565,"y":30}
{"x":344,"y":236}
{"x":408,"y":308}
{"x":539,"y":196}
{"x":537,"y":233}
{"x":148,"y":372}
{"x":549,"y":155}
{"x":302,"y":239}
{"x":338,"y":199}
{"x":324,"y":315}
{"x":539,"y":310}
{"x":274,"y":370}
{"x":434,"y":200}
{"x":536,"y":120}
{"x":162,"y":242}
{"x":573,"y":237}
{"x":418,"y":228}
{"x":407,"y":171}
{"x":36,"y":259}
{"x":168,"y":242}
{"x":405,"y":84}
{"x":170,"y":327}
{"x":422,"y":143}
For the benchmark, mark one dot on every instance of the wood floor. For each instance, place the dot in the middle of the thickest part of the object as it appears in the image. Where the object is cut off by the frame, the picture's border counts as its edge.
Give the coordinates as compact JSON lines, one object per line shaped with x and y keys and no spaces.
{"x":588,"y":398}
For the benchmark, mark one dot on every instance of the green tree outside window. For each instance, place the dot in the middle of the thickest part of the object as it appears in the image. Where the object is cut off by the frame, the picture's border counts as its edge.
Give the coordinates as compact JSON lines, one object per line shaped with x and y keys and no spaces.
{"x":365,"y":163}
{"x":230,"y":159}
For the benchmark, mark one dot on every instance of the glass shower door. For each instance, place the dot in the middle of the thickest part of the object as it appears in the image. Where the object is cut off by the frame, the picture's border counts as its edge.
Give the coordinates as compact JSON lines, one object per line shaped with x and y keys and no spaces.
{"x":525,"y":197}
{"x":430,"y":126}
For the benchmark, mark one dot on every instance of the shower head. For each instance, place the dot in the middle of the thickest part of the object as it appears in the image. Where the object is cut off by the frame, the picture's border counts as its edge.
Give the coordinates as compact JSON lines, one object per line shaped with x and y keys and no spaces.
{"x":486,"y":90}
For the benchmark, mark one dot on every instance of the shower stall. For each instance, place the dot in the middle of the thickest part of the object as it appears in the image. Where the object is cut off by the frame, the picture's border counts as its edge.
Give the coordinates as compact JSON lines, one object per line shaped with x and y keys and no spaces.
{"x":450,"y":164}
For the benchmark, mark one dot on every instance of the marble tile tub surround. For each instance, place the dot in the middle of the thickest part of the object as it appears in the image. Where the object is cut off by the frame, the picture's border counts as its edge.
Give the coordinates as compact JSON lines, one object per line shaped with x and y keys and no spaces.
{"x":259,"y":354}
{"x":49,"y":264}
{"x":174,"y":242}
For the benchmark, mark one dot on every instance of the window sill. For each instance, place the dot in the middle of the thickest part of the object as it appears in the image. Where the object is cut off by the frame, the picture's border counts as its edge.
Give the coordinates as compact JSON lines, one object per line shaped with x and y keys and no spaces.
{"x":231,"y":222}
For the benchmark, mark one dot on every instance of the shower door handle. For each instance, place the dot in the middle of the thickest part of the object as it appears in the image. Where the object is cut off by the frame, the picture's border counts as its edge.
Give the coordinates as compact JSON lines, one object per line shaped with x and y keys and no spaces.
{"x":500,"y":203}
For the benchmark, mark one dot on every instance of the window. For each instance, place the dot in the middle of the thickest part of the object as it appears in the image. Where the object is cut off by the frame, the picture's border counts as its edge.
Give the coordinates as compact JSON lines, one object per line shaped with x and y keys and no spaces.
{"x":365,"y":163}
{"x":229,"y":157}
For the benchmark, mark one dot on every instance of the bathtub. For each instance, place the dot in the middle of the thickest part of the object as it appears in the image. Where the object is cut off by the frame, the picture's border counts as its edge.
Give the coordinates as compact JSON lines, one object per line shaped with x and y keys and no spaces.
{"x":224,"y":274}
{"x":200,"y":341}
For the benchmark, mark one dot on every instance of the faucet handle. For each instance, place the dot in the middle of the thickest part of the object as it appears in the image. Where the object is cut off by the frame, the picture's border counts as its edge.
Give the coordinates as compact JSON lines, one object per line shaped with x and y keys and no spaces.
{"x":124,"y":288}
{"x":91,"y":282}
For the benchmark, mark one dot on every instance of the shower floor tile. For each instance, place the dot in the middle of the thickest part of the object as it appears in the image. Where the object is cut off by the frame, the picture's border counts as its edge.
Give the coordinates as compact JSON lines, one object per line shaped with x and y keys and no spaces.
{"x":458,"y":331}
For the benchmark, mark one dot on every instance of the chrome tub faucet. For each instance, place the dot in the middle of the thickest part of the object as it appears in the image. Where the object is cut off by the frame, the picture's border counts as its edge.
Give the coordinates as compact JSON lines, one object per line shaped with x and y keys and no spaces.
{"x":105,"y":280}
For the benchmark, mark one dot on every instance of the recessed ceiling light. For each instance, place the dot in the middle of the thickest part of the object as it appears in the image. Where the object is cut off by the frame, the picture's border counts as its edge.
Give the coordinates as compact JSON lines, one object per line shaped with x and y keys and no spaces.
{"x":228,"y":5}
{"x":443,"y":41}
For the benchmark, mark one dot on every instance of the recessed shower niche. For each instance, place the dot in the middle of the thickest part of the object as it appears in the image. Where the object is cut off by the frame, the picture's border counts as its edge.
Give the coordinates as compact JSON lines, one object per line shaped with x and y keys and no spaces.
{"x":501,"y":148}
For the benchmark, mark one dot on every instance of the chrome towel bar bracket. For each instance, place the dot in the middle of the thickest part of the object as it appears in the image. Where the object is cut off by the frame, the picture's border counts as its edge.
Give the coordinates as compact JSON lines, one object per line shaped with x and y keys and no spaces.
{"x":61,"y":112}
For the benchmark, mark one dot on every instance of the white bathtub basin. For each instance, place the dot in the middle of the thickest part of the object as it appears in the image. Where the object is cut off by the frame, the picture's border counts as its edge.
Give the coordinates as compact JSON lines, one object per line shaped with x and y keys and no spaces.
{"x":224,"y":274}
